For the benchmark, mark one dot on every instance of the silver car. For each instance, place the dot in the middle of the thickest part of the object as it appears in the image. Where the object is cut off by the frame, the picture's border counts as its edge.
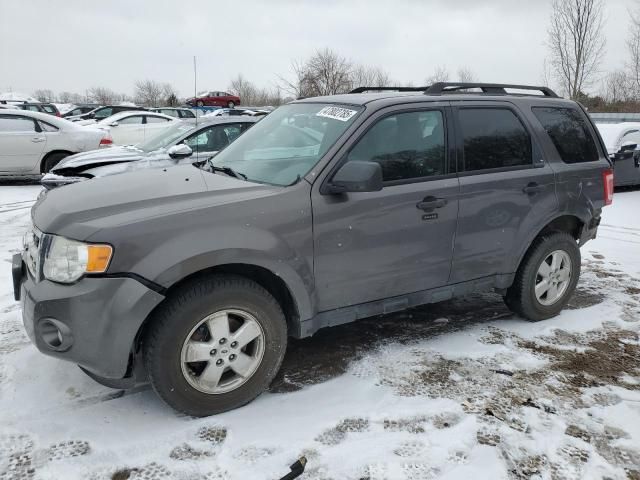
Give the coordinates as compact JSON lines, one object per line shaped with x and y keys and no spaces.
{"x":184,"y":142}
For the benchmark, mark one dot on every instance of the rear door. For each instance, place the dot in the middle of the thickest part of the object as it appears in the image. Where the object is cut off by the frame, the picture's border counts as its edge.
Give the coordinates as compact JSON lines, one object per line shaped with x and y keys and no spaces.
{"x":154,"y":125}
{"x":129,"y":131}
{"x":376,"y":245}
{"x":506,"y":188}
{"x":22,"y":144}
{"x":579,"y":160}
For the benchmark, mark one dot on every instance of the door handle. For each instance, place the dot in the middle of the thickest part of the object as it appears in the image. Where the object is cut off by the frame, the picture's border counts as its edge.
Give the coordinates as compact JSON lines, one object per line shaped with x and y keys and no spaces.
{"x":533,"y":188}
{"x":38,"y":139}
{"x":429,"y":203}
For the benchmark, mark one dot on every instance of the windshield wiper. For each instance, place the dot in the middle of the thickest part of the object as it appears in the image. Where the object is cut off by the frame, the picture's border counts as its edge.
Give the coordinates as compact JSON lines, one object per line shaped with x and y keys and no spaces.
{"x":228,"y":170}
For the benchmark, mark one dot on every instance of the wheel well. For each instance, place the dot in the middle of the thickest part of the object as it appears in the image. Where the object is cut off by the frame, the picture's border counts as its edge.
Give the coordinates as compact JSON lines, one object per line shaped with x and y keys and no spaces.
{"x":567,"y":223}
{"x":43,"y":162}
{"x":264,"y":277}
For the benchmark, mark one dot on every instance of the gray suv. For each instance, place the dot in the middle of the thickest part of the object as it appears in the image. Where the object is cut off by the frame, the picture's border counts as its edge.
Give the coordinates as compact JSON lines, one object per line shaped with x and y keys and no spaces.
{"x":329,"y":210}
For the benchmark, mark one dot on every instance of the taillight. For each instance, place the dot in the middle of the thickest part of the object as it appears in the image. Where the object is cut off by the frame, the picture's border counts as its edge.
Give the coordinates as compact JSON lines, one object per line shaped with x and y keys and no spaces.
{"x":607,"y":182}
{"x":106,"y":141}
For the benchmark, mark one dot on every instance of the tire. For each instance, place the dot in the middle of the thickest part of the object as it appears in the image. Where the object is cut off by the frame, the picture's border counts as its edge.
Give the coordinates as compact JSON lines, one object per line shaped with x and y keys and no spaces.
{"x":175,"y":324}
{"x":231,"y":104}
{"x":521,"y":297}
{"x":200,"y":103}
{"x":52,"y":160}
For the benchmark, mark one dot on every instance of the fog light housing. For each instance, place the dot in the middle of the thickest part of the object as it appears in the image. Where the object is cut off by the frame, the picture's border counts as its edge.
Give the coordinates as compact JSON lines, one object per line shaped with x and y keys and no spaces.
{"x":54,"y":334}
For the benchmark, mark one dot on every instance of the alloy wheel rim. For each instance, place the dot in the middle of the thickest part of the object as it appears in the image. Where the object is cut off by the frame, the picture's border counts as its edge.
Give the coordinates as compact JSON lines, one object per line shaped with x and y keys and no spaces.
{"x":553,"y":277}
{"x":223,"y":351}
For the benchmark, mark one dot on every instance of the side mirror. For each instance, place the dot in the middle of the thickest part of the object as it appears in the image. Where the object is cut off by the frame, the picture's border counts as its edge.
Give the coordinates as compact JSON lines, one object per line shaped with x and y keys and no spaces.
{"x":113,"y":124}
{"x":628,"y":146}
{"x":181,"y":150}
{"x":356,"y":176}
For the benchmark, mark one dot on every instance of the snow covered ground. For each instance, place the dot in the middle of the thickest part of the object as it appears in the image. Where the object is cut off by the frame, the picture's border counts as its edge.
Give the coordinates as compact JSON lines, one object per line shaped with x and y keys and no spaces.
{"x":457,"y":390}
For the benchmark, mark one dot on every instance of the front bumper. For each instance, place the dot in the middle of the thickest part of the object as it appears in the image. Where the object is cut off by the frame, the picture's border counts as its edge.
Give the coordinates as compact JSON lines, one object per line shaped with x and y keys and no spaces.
{"x":97,"y":319}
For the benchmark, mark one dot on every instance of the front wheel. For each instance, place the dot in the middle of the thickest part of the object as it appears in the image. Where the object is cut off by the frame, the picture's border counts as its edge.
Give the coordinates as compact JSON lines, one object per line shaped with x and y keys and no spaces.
{"x":200,"y":103}
{"x":546,"y":278}
{"x":215,"y":345}
{"x":231,"y":104}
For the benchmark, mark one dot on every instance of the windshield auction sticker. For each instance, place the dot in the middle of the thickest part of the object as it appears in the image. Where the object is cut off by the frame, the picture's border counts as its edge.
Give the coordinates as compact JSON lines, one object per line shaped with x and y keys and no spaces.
{"x":337,"y":113}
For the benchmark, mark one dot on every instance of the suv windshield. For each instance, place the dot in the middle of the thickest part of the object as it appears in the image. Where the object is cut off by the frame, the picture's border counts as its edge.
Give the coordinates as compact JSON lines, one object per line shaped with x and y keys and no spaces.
{"x":166,"y":138}
{"x":288,"y":142}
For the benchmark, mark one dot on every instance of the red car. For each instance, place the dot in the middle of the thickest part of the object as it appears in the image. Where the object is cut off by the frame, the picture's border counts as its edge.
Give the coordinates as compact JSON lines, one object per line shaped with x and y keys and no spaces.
{"x":214,"y":99}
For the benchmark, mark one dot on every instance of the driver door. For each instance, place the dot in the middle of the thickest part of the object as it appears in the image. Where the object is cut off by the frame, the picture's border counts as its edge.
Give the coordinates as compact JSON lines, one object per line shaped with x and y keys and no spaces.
{"x":377,"y":245}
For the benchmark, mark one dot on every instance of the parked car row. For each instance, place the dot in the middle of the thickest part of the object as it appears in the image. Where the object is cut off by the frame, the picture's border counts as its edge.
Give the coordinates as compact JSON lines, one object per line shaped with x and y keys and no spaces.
{"x":49,"y":108}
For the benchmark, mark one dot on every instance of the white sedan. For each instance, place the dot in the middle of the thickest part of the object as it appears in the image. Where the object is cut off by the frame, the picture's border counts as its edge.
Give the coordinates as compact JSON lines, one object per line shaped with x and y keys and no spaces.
{"x":32,"y":142}
{"x":135,"y":126}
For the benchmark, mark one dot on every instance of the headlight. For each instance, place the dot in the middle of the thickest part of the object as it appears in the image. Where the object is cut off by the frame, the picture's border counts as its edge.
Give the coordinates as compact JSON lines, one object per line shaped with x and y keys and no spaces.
{"x":68,"y":260}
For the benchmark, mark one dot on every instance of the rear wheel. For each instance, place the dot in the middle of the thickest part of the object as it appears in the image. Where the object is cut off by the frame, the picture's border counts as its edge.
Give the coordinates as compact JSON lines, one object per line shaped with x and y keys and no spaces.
{"x":52,"y":160}
{"x":231,"y":104}
{"x":546,"y":278}
{"x":215,"y":345}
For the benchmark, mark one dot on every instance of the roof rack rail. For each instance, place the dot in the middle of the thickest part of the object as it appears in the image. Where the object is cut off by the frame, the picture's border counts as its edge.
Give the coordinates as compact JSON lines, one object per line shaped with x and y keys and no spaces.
{"x":488,"y":88}
{"x":388,"y":89}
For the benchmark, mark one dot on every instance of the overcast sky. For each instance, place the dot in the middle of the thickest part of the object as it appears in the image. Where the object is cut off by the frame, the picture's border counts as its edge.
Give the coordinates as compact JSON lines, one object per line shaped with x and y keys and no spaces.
{"x":72,"y":45}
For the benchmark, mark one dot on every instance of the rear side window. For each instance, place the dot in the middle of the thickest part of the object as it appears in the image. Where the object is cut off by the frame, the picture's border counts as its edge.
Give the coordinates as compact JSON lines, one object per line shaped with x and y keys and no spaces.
{"x":133,"y":120}
{"x":406,"y":145}
{"x":569,"y":133}
{"x":152,"y":119}
{"x":493,"y":138}
{"x":10,"y":123}
{"x":187,"y":114}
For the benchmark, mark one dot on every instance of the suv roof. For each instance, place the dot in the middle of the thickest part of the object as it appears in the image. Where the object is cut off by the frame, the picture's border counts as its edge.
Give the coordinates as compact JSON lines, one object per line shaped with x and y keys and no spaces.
{"x":437,"y":92}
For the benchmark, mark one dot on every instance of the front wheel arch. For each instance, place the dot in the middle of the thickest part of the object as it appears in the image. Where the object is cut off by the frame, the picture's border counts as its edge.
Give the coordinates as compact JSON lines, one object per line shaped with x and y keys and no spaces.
{"x":49,"y":155}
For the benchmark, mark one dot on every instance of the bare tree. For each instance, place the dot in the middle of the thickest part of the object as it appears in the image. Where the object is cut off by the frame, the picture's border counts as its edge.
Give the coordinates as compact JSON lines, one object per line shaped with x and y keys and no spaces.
{"x":69,"y":97}
{"x":440,"y":74}
{"x":324,"y":73}
{"x":169,"y":95}
{"x":618,"y":87}
{"x":101,"y":95}
{"x":367,"y":76}
{"x":244,"y":89}
{"x":46,"y":96}
{"x":466,"y":75}
{"x":633,"y":47}
{"x":576,"y":43}
{"x":148,"y":93}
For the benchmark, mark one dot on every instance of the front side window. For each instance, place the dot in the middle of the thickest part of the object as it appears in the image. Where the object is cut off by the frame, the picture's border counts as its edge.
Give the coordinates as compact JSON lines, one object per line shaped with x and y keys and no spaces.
{"x":569,"y":133}
{"x":47,"y":127}
{"x":406,"y":145}
{"x":493,"y":138}
{"x":10,"y":123}
{"x":187,"y":114}
{"x":287,"y":143}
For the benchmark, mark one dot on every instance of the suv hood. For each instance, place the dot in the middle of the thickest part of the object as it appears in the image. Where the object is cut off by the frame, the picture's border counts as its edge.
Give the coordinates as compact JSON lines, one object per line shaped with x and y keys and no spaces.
{"x":77,"y":211}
